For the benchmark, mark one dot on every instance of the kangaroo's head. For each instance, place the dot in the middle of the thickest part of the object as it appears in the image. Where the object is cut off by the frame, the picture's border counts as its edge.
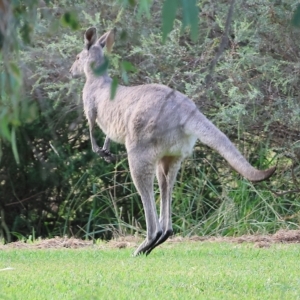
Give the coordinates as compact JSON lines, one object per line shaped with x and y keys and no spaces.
{"x":92,"y":55}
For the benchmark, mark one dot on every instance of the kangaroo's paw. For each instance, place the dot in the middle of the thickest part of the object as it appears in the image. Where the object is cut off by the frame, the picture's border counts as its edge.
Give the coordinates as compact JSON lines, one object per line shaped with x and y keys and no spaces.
{"x":146,"y":244}
{"x":109,"y":157}
{"x":161,"y":240}
{"x":106,"y":155}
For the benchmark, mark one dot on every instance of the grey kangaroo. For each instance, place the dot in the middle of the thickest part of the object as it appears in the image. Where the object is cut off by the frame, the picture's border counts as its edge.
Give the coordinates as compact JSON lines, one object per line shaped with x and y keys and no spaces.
{"x":159,"y":127}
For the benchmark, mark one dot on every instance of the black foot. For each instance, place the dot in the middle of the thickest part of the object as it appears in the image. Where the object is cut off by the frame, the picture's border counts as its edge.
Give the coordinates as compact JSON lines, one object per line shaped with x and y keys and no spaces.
{"x":142,"y":249}
{"x":106,"y":155}
{"x":162,"y":239}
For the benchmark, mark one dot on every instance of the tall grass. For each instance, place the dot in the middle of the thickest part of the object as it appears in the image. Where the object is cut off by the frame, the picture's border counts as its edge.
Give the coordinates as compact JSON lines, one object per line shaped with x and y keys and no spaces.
{"x":205,"y":202}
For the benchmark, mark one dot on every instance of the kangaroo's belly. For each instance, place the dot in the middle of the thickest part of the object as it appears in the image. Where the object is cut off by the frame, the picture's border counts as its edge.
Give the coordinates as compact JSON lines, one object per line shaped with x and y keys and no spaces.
{"x":116,"y":132}
{"x":182,"y":147}
{"x":116,"y":137}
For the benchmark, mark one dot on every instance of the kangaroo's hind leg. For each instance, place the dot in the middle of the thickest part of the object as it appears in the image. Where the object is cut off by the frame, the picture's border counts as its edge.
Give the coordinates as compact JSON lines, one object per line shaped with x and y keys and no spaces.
{"x":166,"y":172}
{"x":142,"y":169}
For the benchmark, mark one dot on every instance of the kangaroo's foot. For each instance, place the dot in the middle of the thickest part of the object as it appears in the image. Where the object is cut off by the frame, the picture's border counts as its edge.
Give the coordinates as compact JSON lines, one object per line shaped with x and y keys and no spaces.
{"x":146,"y":244}
{"x":162,"y":239}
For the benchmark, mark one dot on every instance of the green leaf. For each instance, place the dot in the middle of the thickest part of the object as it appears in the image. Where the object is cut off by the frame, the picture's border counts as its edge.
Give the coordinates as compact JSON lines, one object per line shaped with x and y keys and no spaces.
{"x":14,"y":145}
{"x":25,"y":32}
{"x":125,"y":77}
{"x":126,"y":2}
{"x":128,"y":66}
{"x":190,"y":16}
{"x":98,"y":71}
{"x":144,"y":7}
{"x":123,"y":35}
{"x":15,"y":72}
{"x":113,"y":88}
{"x":168,"y":16}
{"x":69,"y":19}
{"x":4,"y":129}
{"x":296,"y":17}
{"x":132,"y":2}
{"x":1,"y":40}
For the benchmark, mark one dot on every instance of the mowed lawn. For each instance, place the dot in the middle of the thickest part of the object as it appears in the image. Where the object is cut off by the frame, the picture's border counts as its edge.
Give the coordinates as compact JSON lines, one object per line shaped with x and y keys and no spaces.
{"x":187,"y":270}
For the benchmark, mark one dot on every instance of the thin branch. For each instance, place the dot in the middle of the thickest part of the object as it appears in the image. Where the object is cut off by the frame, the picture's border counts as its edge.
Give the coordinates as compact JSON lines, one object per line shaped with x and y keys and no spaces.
{"x":26,"y":199}
{"x":223,"y":43}
{"x":279,"y":194}
{"x":4,"y":226}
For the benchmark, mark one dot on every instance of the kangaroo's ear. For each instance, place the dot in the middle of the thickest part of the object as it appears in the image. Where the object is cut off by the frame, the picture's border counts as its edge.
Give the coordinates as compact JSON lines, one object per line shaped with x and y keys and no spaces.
{"x":90,"y":37}
{"x":107,"y":39}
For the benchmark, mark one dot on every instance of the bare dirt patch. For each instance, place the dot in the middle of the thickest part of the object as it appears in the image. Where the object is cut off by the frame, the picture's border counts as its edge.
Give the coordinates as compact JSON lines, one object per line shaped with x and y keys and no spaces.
{"x":73,"y":243}
{"x":261,"y":241}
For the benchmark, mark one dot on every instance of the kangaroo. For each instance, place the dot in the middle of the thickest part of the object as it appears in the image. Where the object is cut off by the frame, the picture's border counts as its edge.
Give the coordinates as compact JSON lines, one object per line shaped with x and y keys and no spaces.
{"x":159,"y":127}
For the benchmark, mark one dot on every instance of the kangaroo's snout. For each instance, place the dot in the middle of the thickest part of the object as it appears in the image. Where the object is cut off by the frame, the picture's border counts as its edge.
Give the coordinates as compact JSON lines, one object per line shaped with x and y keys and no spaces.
{"x":73,"y":71}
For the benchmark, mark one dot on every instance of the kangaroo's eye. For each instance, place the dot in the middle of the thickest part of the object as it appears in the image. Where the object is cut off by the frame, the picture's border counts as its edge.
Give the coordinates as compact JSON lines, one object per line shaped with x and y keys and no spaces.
{"x":77,"y":57}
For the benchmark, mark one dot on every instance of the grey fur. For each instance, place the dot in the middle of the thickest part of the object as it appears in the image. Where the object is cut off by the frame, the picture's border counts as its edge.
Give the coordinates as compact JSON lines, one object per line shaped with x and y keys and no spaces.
{"x":159,"y":127}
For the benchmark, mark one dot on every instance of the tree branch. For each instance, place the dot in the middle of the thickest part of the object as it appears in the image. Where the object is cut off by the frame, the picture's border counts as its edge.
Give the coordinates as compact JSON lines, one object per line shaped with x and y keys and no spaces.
{"x":223,"y":43}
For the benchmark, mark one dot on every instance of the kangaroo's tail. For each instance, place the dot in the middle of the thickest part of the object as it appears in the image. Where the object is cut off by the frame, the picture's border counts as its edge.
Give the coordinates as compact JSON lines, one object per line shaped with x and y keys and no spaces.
{"x":211,"y":136}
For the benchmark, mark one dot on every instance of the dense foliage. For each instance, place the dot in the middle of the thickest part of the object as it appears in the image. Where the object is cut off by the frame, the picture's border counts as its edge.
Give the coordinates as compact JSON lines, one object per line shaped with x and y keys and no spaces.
{"x":51,"y":183}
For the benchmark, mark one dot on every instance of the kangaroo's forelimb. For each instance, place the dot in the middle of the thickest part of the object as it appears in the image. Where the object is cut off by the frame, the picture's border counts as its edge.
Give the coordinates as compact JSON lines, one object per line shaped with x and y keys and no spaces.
{"x":102,"y":152}
{"x":107,"y":155}
{"x":105,"y":151}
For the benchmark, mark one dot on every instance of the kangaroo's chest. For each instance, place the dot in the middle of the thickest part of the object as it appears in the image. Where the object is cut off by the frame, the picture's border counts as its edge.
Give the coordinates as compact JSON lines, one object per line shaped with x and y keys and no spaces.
{"x":110,"y":119}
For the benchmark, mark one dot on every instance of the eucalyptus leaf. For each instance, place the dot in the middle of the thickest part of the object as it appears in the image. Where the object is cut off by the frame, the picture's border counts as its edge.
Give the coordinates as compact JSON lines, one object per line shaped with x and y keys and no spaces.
{"x":190,"y":16}
{"x":70,"y":19}
{"x":128,"y":66}
{"x":144,"y":7}
{"x":168,"y":16}
{"x":113,"y":88}
{"x":296,"y":17}
{"x":98,"y":71}
{"x":14,"y":145}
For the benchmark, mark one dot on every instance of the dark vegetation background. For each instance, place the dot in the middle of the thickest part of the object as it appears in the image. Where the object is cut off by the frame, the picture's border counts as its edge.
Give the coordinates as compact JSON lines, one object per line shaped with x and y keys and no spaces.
{"x":51,"y":183}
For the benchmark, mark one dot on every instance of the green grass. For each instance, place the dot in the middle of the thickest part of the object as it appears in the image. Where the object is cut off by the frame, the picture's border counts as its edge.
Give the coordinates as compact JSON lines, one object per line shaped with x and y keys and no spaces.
{"x":190,"y":270}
